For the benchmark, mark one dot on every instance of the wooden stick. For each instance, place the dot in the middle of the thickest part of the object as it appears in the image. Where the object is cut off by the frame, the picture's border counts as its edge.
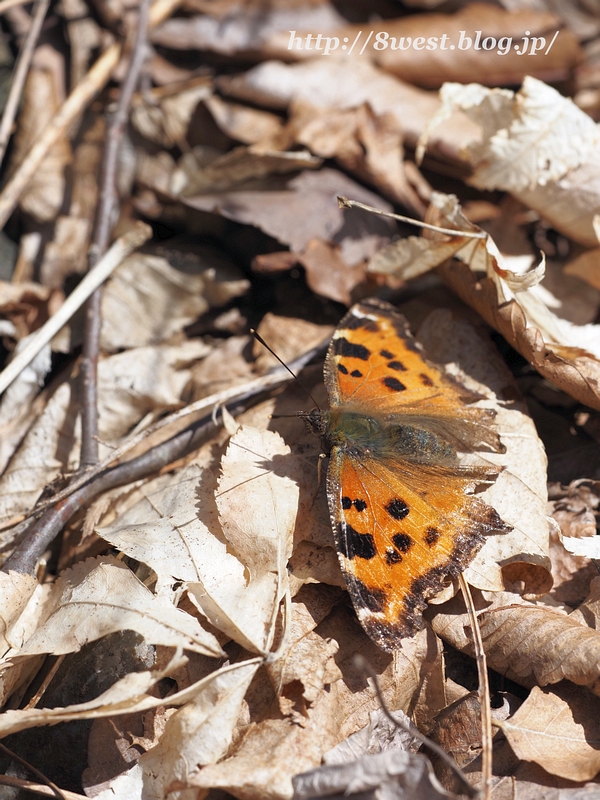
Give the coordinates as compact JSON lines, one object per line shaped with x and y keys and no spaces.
{"x":484,"y":692}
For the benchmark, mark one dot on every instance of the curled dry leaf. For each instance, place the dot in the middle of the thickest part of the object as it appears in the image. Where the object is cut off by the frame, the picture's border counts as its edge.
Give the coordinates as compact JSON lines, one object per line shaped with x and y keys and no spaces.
{"x":100,"y":596}
{"x":148,"y":299}
{"x":528,"y":643}
{"x":535,"y":144}
{"x":559,"y":729}
{"x":200,"y":733}
{"x":519,"y":493}
{"x":369,"y":145}
{"x":16,"y":589}
{"x":243,"y":123}
{"x":513,"y":303}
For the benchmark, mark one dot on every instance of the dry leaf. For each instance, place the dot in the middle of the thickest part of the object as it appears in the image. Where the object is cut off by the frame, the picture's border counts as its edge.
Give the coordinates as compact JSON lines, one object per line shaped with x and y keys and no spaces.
{"x":511,"y":302}
{"x":125,"y":696}
{"x":436,"y":61}
{"x":329,"y":83}
{"x":100,"y":596}
{"x":243,"y":123}
{"x":528,"y":643}
{"x":42,"y":97}
{"x":175,"y":529}
{"x":163,"y":114}
{"x":558,"y":729}
{"x":148,"y":299}
{"x":393,"y":773}
{"x":535,"y":144}
{"x":304,"y":208}
{"x":200,"y":733}
{"x":194,"y":177}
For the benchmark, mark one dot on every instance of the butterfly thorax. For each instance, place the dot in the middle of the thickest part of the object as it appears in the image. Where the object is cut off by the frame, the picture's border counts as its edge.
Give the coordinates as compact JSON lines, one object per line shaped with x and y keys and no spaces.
{"x":381,"y":437}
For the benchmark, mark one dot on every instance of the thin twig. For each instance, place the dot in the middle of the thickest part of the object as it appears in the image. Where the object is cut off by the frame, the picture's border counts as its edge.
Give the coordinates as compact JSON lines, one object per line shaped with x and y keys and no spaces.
{"x":120,"y":249}
{"x":343,"y":202}
{"x":484,"y":692}
{"x":43,"y":531}
{"x":20,"y":74}
{"x":101,"y":238}
{"x":466,"y":788}
{"x":79,"y":98}
{"x":38,"y":788}
{"x":55,"y":790}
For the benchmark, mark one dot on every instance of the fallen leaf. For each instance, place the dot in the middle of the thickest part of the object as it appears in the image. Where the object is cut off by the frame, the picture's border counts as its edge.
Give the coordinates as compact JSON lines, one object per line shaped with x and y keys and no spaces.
{"x":393,"y":773}
{"x":304,"y":208}
{"x":559,"y":730}
{"x":527,"y":147}
{"x":148,"y":298}
{"x":200,"y":733}
{"x":100,"y":596}
{"x":530,"y":644}
{"x":163,"y":114}
{"x":243,"y":123}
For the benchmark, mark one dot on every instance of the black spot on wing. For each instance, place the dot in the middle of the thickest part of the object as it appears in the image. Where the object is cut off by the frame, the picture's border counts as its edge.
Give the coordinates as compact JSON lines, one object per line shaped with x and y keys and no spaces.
{"x":342,"y":369}
{"x":432,"y":535}
{"x":364,"y":596}
{"x":360,"y":505}
{"x":397,"y":365}
{"x":397,"y":508}
{"x":392,"y":556}
{"x":394,"y":384}
{"x":402,"y":541}
{"x":342,"y":347}
{"x":386,"y":354}
{"x":425,"y":379}
{"x":346,"y":503}
{"x":356,"y":545}
{"x":356,"y":373}
{"x":353,"y":323}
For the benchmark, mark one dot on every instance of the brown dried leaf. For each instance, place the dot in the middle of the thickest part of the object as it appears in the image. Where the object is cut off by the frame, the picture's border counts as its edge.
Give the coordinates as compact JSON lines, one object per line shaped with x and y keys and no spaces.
{"x":243,"y":123}
{"x":147,"y":299}
{"x":289,"y":337}
{"x":367,"y":144}
{"x":528,"y":643}
{"x":163,"y":115}
{"x":329,"y":83}
{"x":429,"y":66}
{"x":193,"y":176}
{"x":200,"y":733}
{"x":43,"y":95}
{"x":558,"y":729}
{"x":303,"y":208}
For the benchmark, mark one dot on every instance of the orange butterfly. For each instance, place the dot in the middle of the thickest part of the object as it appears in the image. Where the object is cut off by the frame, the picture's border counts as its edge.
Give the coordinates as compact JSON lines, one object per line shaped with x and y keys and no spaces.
{"x":402,"y":518}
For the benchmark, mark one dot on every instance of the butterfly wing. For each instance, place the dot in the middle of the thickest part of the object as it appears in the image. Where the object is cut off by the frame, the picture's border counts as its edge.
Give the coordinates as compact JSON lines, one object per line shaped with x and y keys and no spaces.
{"x":374,"y":363}
{"x":401,"y":531}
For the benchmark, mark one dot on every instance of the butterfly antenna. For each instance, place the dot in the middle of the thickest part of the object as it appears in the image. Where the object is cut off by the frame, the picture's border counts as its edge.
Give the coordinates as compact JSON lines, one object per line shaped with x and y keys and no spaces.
{"x":259,"y":339}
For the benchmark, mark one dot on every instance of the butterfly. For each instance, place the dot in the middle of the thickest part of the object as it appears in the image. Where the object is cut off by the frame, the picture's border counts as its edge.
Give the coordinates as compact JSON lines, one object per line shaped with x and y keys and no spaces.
{"x":402,"y":510}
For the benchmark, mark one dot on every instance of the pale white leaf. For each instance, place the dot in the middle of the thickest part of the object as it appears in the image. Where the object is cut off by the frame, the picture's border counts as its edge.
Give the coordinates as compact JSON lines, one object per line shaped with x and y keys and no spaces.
{"x":199,"y":733}
{"x":101,"y":596}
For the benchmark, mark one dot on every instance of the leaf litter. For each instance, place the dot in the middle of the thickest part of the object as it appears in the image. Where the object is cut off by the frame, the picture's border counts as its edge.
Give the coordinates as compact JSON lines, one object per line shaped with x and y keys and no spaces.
{"x":219,"y":559}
